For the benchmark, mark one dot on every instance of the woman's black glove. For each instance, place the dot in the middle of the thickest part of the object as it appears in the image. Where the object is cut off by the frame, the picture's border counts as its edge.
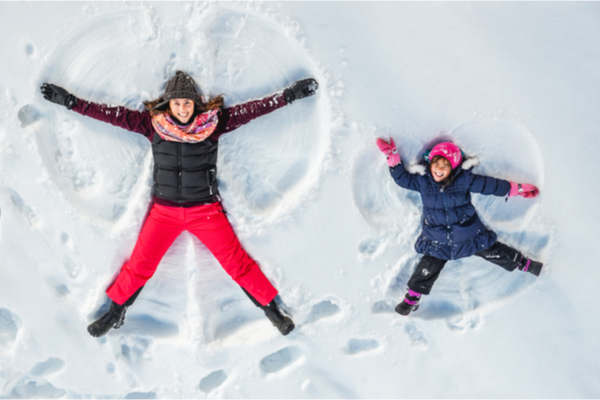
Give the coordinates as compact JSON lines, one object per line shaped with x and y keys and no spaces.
{"x":58,"y":95}
{"x":300,"y":90}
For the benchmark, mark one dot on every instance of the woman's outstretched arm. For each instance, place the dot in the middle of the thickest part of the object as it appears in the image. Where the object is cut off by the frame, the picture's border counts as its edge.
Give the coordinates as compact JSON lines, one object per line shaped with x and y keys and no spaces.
{"x":236,"y":116}
{"x":233,"y":117}
{"x":131,"y":120}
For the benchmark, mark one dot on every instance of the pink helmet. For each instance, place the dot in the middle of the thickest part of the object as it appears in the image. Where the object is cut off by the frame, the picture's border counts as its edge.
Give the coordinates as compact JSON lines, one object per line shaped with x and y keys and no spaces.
{"x":449,"y":151}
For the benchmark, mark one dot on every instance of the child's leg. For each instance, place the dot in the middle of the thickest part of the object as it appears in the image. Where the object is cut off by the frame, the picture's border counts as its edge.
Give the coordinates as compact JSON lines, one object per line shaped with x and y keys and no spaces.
{"x":426,"y":274}
{"x":510,"y":259}
{"x":420,"y":283}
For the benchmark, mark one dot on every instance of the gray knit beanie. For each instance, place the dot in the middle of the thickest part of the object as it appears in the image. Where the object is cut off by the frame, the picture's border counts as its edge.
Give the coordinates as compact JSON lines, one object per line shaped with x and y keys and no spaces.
{"x":181,"y":86}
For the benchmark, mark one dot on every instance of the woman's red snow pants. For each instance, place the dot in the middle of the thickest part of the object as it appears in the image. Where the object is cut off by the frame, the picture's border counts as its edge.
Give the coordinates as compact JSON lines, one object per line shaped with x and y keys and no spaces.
{"x":209,"y":224}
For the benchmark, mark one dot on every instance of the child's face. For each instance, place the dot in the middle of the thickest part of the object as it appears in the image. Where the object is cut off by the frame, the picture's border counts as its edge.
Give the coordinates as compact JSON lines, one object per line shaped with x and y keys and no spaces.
{"x":440,"y":169}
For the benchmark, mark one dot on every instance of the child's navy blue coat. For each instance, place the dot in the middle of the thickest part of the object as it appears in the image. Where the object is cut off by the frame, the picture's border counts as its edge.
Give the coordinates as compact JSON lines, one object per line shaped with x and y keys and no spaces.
{"x":451,"y":228}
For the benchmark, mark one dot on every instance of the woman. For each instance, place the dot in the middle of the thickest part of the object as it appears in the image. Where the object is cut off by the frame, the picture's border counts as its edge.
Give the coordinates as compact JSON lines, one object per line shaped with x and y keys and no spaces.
{"x":184,"y":132}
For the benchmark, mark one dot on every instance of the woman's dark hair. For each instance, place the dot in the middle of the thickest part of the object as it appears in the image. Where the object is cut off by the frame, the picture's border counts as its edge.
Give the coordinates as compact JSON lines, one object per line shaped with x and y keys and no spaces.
{"x":217,"y":102}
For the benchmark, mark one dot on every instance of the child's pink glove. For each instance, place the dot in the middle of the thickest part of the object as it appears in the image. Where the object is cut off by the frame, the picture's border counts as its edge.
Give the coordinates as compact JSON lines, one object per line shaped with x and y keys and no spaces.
{"x":389,"y":149}
{"x":523,"y":189}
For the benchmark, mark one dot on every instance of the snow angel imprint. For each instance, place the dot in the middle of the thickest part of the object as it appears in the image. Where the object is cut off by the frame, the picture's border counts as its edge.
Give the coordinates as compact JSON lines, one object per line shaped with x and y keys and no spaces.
{"x":451,"y":228}
{"x":184,"y":131}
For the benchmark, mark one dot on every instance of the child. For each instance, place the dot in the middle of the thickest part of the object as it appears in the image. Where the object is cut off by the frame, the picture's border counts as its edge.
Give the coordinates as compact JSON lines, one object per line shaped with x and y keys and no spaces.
{"x":451,"y":228}
{"x":184,"y":131}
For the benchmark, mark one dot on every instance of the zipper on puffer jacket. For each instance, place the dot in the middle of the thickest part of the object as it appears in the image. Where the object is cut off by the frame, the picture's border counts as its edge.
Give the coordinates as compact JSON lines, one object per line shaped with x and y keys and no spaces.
{"x":209,"y":172}
{"x":180,"y":177}
{"x":450,"y":236}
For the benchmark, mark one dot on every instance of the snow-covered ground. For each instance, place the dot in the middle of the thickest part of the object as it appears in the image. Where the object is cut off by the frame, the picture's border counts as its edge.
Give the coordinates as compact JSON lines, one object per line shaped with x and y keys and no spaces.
{"x":515,"y":84}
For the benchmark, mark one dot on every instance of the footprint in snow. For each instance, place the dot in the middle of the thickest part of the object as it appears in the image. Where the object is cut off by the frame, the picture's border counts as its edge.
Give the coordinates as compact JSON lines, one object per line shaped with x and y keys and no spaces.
{"x":321,"y":310}
{"x":10,"y":324}
{"x":416,"y":336}
{"x":28,"y":115}
{"x":23,"y":208}
{"x":462,"y":322}
{"x":383,"y":307}
{"x":36,"y":385}
{"x":29,"y":49}
{"x":65,"y":239}
{"x":30,"y":389}
{"x":212,"y":381}
{"x":72,"y":268}
{"x":51,"y":366}
{"x":356,"y":346}
{"x":371,"y":247}
{"x":134,"y":348}
{"x":141,"y":395}
{"x":279,"y":360}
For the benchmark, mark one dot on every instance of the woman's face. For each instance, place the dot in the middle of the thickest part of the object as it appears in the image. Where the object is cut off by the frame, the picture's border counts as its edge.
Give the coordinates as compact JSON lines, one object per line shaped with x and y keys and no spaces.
{"x":182,"y":109}
{"x":440,"y":169}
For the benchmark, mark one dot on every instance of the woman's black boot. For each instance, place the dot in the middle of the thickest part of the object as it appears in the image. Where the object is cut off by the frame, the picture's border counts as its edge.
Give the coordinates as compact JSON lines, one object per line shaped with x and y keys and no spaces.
{"x":114,"y":318}
{"x":281,"y":322}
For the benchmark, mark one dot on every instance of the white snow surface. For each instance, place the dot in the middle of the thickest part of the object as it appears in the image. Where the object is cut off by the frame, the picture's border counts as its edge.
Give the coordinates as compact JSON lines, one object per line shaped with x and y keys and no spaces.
{"x":516,"y":85}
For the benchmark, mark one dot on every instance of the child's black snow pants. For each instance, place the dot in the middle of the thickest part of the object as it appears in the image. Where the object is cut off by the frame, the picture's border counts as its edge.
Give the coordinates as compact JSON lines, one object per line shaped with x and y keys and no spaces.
{"x":429,"y":268}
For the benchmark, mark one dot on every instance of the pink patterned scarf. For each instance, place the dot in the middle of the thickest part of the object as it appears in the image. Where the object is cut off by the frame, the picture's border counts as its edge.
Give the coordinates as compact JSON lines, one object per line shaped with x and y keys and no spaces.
{"x":199,"y":129}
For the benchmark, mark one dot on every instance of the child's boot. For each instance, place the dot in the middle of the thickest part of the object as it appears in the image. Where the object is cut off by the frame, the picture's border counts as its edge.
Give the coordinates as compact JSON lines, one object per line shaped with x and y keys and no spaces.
{"x":281,"y":322}
{"x":528,"y":265}
{"x":410,"y":303}
{"x":114,"y":318}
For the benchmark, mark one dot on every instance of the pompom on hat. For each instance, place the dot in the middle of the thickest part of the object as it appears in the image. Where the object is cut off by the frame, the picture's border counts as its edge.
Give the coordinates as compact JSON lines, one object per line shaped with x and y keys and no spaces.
{"x":181,"y":86}
{"x":449,"y":151}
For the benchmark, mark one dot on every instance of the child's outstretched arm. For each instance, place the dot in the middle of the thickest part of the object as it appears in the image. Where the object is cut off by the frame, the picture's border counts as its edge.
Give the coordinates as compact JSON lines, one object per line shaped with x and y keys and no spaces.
{"x":500,"y":187}
{"x":401,"y":176}
{"x":389,"y":149}
{"x":523,"y":189}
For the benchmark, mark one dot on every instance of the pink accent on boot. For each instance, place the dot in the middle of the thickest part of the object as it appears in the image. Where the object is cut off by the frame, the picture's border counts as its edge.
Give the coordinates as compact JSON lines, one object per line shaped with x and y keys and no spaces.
{"x":412,"y":293}
{"x":527,"y":265}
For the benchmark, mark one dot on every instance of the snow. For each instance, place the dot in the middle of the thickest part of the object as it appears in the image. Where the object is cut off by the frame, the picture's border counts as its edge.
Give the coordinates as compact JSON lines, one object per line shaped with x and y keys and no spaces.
{"x":310,"y":196}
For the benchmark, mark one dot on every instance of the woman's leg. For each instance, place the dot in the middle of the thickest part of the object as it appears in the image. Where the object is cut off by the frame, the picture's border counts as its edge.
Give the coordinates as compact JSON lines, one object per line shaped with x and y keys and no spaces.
{"x":160,"y":229}
{"x":211,"y":226}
